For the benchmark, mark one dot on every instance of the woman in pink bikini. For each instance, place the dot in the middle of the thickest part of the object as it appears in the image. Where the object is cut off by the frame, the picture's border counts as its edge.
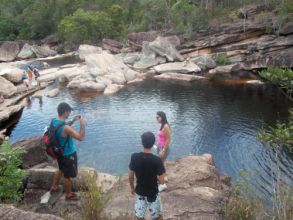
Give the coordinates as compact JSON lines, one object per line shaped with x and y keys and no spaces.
{"x":164,"y":138}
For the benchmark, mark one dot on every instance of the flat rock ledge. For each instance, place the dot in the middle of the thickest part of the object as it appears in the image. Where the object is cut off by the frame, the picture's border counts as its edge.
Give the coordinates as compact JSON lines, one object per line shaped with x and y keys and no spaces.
{"x":196,"y":191}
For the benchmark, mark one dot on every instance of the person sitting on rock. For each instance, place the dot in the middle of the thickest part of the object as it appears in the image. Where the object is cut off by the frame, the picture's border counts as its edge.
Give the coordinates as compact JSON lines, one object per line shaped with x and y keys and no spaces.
{"x":148,"y":169}
{"x":67,"y":163}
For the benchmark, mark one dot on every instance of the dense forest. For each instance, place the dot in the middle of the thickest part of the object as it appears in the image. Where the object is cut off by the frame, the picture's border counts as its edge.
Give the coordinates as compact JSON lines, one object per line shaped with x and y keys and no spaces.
{"x":88,"y":21}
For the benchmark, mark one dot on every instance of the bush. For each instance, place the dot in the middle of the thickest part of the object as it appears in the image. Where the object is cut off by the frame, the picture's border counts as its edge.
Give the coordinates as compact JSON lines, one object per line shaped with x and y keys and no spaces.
{"x":244,"y":204}
{"x":280,"y":77}
{"x":92,"y":200}
{"x":11,"y":176}
{"x":85,"y":27}
{"x":221,"y":59}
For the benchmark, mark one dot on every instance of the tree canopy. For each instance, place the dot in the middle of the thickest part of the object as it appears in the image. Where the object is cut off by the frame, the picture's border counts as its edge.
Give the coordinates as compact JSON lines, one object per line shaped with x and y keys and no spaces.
{"x":78,"y":21}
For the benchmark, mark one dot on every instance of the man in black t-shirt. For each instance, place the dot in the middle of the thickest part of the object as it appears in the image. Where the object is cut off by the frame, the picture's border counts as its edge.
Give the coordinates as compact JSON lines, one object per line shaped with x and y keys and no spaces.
{"x":148,"y":169}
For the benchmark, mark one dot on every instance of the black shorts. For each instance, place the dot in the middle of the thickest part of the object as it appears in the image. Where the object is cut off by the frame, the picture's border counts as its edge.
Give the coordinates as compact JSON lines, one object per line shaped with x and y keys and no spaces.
{"x":68,"y":165}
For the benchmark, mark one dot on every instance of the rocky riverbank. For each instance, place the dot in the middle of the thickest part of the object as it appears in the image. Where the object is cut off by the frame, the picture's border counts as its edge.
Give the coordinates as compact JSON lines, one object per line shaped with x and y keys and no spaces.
{"x":230,"y":51}
{"x":196,"y":189}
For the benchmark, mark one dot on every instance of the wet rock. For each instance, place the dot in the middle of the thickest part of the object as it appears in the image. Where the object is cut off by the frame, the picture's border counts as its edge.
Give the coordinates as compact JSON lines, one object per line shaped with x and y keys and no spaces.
{"x":39,"y":94}
{"x":179,"y":77}
{"x":112,"y":89}
{"x":85,"y":49}
{"x":9,"y":212}
{"x":135,"y":40}
{"x":34,"y":154}
{"x":163,"y":47}
{"x":194,"y":192}
{"x":9,"y":51}
{"x":43,"y":51}
{"x":112,"y":45}
{"x":53,"y":93}
{"x":7,"y":89}
{"x":91,"y":87}
{"x":177,"y":67}
{"x":26,"y":52}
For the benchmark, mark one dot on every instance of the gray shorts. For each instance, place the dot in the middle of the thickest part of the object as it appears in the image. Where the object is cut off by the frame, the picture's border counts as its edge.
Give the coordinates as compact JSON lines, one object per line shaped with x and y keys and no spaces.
{"x":142,"y":205}
{"x":166,"y":153}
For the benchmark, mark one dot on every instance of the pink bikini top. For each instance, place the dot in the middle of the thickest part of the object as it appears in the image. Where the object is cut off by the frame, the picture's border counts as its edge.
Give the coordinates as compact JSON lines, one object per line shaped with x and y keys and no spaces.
{"x":161,"y":138}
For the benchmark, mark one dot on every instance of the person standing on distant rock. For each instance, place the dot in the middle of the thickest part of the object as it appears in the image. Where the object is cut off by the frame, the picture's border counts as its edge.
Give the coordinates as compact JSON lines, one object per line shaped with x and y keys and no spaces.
{"x":164,"y":139}
{"x":36,"y":73}
{"x":25,"y":80}
{"x":67,"y":163}
{"x":148,"y":169}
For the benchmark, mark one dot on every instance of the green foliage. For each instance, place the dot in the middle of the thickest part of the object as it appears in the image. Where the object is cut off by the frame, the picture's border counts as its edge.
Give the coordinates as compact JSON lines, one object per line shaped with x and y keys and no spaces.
{"x":244,"y":204}
{"x":281,"y":135}
{"x":92,"y":200}
{"x":280,"y":77}
{"x":11,"y":175}
{"x":35,"y":19}
{"x":85,"y":27}
{"x":221,"y":59}
{"x":188,"y":18}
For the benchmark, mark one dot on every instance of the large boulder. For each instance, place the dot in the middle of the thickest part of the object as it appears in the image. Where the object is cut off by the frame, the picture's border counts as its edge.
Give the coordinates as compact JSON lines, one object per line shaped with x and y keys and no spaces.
{"x":9,"y":212}
{"x":204,"y":62}
{"x":9,"y":51}
{"x":135,"y":40}
{"x":26,"y":52}
{"x":7,"y":89}
{"x":43,"y":51}
{"x":85,"y":49}
{"x":147,"y":58}
{"x":286,"y":28}
{"x":112,"y":45}
{"x":110,"y":67}
{"x":195,"y":191}
{"x":177,"y":67}
{"x":163,"y":47}
{"x":12,"y":74}
{"x":34,"y":154}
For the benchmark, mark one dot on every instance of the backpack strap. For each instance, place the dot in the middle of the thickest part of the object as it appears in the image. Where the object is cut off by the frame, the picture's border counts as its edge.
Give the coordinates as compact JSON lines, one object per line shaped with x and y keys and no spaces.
{"x":56,"y":128}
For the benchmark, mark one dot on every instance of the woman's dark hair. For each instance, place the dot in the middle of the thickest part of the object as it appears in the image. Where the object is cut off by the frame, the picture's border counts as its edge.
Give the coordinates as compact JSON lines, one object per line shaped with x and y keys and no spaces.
{"x":163,"y":117}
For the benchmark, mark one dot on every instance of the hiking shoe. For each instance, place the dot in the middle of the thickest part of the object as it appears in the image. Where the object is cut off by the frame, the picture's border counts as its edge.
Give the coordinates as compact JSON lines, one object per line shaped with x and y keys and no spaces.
{"x":162,"y":187}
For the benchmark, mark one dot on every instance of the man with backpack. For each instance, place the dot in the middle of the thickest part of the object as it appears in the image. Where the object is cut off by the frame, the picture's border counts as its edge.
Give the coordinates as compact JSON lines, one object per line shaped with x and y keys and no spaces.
{"x":67,"y":157}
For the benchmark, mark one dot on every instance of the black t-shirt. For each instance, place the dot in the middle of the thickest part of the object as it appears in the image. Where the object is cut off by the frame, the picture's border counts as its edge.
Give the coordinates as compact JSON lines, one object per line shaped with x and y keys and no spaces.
{"x":146,"y":167}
